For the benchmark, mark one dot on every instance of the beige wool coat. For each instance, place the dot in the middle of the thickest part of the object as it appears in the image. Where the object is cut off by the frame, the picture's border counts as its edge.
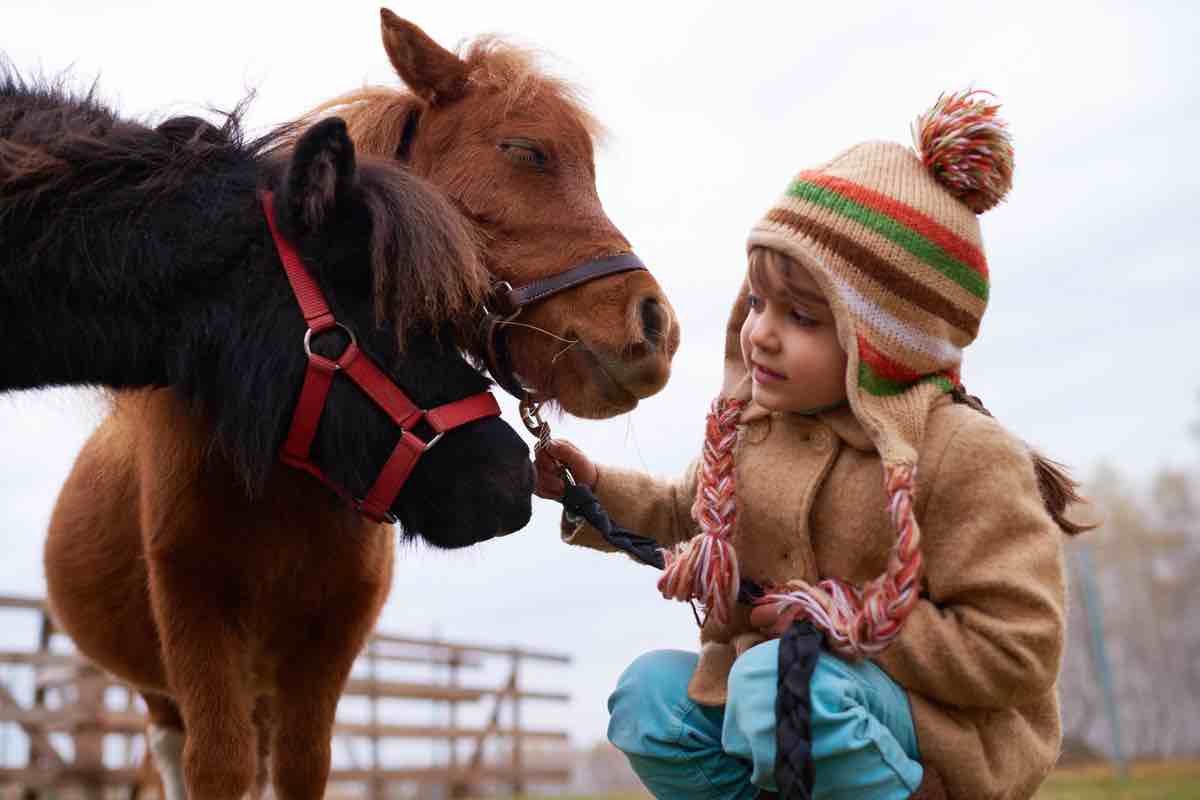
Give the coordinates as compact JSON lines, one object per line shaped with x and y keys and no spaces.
{"x":979,"y":656}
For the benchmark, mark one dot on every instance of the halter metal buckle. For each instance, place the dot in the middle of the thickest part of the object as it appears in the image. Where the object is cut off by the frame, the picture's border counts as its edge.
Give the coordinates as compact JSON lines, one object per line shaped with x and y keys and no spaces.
{"x":308,"y":334}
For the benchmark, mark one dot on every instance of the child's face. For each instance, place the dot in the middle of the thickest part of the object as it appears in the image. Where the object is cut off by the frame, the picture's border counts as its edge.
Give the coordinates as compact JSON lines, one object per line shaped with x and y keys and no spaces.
{"x":789,"y":339}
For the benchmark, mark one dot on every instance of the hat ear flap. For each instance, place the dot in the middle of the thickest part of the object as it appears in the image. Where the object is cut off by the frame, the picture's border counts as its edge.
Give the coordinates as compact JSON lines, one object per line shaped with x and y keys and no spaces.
{"x":736,"y":383}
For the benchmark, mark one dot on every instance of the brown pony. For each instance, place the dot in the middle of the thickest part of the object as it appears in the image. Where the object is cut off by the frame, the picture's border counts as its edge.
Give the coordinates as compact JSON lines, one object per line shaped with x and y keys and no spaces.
{"x":512,"y":150}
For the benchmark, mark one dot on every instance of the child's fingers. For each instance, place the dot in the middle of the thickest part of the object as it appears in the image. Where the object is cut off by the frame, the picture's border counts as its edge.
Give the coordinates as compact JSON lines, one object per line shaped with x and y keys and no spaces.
{"x":774,"y":618}
{"x":549,"y":480}
{"x":570,"y":456}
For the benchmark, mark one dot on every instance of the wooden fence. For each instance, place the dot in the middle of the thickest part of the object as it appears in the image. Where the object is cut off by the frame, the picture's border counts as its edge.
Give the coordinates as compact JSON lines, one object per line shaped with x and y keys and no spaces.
{"x":84,"y":730}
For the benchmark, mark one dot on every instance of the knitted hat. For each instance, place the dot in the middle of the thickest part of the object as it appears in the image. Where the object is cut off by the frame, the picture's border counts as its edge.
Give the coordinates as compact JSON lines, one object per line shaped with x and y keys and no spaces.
{"x":891,"y":237}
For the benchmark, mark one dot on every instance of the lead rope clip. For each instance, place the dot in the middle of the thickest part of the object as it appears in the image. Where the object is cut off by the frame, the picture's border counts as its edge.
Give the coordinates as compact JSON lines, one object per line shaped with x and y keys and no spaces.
{"x":540,"y":429}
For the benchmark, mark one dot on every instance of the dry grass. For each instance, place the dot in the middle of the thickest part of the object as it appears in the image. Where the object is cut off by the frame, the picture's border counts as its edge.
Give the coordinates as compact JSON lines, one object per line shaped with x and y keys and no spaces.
{"x":1158,"y":780}
{"x":1155,"y":780}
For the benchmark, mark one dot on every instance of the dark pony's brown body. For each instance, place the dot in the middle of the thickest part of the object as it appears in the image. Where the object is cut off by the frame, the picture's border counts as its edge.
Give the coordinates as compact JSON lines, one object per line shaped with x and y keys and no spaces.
{"x":150,"y":503}
{"x":282,"y":592}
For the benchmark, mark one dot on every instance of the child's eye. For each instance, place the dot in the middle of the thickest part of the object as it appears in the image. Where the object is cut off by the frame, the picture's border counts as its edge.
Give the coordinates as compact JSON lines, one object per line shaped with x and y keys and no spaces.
{"x":753,"y":302}
{"x":803,"y":319}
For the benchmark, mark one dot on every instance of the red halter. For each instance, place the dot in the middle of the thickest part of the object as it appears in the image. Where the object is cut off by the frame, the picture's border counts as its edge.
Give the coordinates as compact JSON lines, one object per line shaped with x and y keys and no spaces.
{"x":378,"y":386}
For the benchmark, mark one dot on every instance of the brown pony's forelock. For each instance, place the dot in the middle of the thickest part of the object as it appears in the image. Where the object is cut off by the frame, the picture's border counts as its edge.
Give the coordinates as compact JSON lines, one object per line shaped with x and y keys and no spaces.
{"x":517,"y":74}
{"x":376,"y":115}
{"x":423,"y":254}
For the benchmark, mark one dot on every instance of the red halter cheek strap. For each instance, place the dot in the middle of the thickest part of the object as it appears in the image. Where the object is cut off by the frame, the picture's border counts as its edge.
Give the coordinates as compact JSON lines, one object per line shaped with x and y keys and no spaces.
{"x":359,"y":368}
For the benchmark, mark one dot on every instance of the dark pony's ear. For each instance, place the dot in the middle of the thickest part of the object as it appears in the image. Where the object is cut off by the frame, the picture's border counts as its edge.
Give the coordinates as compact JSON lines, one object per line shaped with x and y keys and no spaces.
{"x":185,"y":131}
{"x":322,"y":173}
{"x":432,"y":72}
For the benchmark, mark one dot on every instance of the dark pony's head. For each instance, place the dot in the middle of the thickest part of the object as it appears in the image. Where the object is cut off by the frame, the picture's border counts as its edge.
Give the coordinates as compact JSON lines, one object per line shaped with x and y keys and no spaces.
{"x":149,"y":251}
{"x":398,"y":269}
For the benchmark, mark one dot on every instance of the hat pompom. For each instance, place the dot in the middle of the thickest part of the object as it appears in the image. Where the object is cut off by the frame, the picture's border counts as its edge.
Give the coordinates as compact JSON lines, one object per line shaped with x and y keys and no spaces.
{"x":967,"y":148}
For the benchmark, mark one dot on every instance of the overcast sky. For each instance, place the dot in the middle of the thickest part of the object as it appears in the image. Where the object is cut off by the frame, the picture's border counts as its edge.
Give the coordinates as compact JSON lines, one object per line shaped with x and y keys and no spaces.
{"x":1087,"y":348}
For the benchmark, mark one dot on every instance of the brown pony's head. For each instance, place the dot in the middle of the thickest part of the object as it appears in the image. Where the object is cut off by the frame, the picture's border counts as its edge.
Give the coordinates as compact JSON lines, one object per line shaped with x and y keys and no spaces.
{"x":513,"y":150}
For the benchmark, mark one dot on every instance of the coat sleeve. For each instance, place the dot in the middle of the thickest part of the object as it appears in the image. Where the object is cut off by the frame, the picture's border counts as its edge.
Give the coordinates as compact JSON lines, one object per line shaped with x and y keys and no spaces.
{"x":989,"y":631}
{"x":660,"y":509}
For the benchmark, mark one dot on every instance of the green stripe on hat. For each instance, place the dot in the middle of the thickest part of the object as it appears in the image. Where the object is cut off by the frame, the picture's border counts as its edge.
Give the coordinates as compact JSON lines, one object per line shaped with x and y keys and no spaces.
{"x":875,"y":384}
{"x":894,"y":231}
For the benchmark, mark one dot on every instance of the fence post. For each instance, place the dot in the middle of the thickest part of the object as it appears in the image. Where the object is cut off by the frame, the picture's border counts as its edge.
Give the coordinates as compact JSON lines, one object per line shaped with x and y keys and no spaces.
{"x":452,"y":741}
{"x":377,"y":786}
{"x":1095,"y":615}
{"x":36,"y":757}
{"x":517,"y":759}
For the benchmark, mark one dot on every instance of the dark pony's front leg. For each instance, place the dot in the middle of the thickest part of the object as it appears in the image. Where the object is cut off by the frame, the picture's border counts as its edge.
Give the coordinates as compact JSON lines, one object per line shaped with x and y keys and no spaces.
{"x":204,"y":653}
{"x":164,"y":740}
{"x":304,"y":708}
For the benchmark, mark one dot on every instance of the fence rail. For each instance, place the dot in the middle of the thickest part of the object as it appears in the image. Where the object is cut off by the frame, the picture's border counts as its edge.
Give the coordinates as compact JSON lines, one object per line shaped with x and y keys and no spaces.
{"x":69,"y":705}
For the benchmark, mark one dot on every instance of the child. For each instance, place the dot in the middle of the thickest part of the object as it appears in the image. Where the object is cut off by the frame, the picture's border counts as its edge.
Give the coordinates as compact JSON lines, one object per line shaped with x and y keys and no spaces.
{"x":941,"y":597}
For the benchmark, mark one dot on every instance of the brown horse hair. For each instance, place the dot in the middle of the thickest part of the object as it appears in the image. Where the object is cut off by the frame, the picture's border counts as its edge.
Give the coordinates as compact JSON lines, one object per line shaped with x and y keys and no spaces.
{"x":377,"y":115}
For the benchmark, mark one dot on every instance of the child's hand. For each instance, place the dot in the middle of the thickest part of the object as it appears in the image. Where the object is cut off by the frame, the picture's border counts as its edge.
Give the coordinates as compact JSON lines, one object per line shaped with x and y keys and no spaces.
{"x":549,"y":479}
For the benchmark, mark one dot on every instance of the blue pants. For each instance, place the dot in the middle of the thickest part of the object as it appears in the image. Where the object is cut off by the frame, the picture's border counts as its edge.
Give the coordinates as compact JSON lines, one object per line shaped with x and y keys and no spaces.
{"x":864,"y":744}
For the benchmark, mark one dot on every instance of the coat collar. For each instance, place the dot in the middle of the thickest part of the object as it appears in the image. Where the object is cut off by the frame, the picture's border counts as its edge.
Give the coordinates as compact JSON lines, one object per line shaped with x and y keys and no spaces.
{"x":842,"y":421}
{"x":848,"y":428}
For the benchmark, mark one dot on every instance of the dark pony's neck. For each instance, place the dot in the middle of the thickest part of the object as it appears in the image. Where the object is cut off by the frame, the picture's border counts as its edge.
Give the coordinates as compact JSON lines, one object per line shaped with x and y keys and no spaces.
{"x":112,"y":235}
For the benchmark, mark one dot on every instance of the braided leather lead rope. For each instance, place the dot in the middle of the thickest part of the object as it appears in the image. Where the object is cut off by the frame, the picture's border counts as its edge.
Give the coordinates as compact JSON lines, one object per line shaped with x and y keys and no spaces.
{"x":799,"y":648}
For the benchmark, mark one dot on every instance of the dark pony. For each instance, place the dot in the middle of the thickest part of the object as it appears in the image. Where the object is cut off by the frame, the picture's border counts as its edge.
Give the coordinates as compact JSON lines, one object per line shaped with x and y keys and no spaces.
{"x":132,"y":256}
{"x":234,"y":592}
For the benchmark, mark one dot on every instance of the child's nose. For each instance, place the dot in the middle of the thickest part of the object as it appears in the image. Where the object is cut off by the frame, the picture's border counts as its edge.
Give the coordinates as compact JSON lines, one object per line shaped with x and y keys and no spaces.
{"x":762,"y":334}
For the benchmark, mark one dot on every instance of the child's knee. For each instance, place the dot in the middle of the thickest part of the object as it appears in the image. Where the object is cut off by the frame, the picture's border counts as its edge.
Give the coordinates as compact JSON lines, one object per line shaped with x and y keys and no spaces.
{"x":650,"y":693}
{"x":749,"y":726}
{"x":653,"y":678}
{"x":754,"y":670}
{"x":833,"y":688}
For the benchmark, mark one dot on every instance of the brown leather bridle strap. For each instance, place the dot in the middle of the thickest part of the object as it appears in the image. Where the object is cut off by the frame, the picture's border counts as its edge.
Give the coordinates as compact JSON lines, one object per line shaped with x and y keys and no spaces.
{"x":505,"y":302}
{"x":374,"y":382}
{"x":509,"y":300}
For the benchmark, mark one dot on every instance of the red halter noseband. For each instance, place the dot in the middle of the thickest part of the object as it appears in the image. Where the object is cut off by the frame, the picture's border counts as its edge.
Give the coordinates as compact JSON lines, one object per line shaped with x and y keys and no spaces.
{"x":358,"y":367}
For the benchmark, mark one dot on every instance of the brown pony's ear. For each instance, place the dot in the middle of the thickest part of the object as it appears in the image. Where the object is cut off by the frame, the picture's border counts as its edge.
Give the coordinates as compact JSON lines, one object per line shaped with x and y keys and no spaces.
{"x":432,"y":72}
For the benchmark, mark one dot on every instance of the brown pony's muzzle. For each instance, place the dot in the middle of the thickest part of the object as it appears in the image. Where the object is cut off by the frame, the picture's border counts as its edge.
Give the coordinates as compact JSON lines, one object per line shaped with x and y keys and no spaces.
{"x":634,"y":365}
{"x":644,"y":365}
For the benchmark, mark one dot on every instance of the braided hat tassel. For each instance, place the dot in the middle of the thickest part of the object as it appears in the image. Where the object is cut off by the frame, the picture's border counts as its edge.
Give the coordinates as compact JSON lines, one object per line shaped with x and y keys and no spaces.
{"x":858,"y":622}
{"x":705,"y":568}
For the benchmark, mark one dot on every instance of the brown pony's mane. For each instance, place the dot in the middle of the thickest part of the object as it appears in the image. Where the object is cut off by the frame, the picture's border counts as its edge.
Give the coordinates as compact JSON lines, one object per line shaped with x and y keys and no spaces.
{"x":376,"y":115}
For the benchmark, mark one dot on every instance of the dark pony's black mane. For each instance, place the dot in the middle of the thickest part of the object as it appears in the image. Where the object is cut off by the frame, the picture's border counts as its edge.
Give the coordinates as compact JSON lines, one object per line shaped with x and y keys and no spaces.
{"x":71,"y":150}
{"x":133,"y":255}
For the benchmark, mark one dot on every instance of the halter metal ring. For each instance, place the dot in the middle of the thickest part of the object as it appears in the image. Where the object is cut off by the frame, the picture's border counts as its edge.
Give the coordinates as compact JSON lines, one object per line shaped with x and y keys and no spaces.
{"x":308,"y":334}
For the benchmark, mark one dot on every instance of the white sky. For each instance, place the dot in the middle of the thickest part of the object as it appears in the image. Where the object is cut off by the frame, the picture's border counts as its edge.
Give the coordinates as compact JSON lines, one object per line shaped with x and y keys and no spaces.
{"x":1087,"y":349}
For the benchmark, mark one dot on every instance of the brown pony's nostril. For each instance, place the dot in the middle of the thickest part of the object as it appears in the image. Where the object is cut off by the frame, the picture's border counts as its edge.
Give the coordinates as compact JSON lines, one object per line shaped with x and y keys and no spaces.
{"x":654,"y":322}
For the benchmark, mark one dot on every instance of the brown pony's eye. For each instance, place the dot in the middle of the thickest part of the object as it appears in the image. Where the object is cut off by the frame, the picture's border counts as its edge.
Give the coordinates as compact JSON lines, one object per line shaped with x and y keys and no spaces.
{"x":524,"y":151}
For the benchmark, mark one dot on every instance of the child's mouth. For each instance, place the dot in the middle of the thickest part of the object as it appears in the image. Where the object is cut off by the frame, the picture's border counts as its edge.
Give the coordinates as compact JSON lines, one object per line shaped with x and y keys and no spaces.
{"x":764,"y":375}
